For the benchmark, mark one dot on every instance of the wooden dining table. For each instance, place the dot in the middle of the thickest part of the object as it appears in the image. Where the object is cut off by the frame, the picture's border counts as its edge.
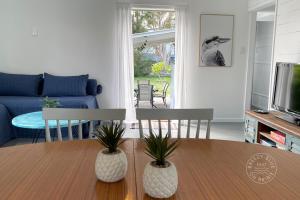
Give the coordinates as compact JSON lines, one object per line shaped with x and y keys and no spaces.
{"x":207,"y":169}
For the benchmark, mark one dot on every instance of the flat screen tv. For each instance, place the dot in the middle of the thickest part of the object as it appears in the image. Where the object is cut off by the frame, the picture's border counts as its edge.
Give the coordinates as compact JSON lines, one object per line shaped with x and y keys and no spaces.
{"x":287,"y":89}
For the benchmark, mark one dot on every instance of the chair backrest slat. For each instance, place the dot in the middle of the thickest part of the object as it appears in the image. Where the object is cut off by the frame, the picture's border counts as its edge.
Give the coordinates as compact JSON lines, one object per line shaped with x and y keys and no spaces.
{"x":70,"y":132}
{"x":176,"y":114}
{"x":179,"y":129}
{"x":169,"y":127}
{"x":198,"y":129}
{"x":59,"y":135}
{"x":188,"y":129}
{"x":91,"y":129}
{"x":80,"y":130}
{"x":208,"y":130}
{"x":47,"y":131}
{"x":159,"y":124}
{"x":81,"y":116}
{"x":150,"y":125}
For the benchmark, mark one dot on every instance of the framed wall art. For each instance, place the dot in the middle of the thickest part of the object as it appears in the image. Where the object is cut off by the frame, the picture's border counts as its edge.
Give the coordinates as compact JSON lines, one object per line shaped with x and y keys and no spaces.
{"x":216,"y":40}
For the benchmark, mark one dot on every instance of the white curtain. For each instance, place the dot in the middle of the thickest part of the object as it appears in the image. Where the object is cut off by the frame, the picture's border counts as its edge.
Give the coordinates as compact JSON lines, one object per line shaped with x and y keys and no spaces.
{"x":124,"y":72}
{"x":181,"y":48}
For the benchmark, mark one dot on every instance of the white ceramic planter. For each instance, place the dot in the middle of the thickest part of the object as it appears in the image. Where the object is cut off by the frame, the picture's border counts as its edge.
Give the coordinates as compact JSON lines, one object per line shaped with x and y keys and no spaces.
{"x":160,"y":182}
{"x":111,"y":167}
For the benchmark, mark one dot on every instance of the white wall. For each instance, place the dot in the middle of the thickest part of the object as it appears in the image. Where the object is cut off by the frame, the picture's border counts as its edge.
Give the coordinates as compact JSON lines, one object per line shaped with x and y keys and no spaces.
{"x":75,"y":37}
{"x":220,"y":88}
{"x":287,"y":41}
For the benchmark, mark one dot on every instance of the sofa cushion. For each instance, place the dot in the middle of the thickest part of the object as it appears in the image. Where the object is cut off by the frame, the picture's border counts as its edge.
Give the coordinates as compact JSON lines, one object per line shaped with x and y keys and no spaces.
{"x":19,"y":84}
{"x":62,"y":86}
{"x":5,"y":126}
{"x":91,"y":88}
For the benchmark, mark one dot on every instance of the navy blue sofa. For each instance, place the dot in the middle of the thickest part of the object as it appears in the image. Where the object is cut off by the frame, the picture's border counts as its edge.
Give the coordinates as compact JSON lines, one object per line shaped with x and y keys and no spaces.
{"x":11,"y":106}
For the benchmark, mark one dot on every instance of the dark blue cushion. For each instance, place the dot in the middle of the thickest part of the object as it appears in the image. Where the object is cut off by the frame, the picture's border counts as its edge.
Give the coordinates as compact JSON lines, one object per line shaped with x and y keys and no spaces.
{"x":5,"y":125}
{"x":91,"y":88}
{"x":19,"y":84}
{"x":99,"y":89}
{"x":63,"y":86}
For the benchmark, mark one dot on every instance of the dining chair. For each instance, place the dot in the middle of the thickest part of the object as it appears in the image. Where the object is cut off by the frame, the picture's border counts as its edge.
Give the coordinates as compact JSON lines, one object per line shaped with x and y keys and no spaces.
{"x":163,"y":95}
{"x":145,"y":93}
{"x":175,"y":114}
{"x":82,"y":115}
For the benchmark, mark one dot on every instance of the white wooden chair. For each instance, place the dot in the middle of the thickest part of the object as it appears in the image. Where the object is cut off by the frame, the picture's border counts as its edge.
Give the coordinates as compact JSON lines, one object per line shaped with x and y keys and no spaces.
{"x":175,"y":114}
{"x":81,"y":115}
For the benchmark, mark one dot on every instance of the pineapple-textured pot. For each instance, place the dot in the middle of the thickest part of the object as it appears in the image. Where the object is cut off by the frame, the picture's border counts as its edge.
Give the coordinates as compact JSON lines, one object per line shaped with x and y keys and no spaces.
{"x":111,"y":167}
{"x":160,"y":182}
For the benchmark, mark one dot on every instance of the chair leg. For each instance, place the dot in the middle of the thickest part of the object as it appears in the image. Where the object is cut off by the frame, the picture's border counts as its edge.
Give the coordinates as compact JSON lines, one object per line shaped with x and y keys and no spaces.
{"x":165,"y":102}
{"x":34,"y":136}
{"x":152,"y":104}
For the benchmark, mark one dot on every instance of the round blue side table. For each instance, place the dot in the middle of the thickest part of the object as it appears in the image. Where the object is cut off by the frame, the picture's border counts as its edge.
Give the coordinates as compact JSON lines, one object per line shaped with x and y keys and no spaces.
{"x":34,"y":120}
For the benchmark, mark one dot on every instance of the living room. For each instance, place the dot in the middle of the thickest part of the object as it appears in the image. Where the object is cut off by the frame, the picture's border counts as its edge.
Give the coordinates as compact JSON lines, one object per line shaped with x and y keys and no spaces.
{"x":67,"y":66}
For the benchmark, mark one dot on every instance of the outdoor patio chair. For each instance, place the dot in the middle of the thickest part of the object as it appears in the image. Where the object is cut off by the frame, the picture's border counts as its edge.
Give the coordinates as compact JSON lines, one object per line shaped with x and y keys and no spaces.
{"x":145,"y":93}
{"x":163,"y":95}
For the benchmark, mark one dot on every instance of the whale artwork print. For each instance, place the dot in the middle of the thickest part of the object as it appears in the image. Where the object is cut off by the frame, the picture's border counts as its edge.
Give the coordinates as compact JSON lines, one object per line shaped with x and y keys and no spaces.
{"x":216,"y":40}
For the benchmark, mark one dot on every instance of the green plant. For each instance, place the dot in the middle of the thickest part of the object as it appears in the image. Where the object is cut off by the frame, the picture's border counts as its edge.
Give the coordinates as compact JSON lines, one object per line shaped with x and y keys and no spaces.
{"x":159,"y":148}
{"x":142,"y":64}
{"x":110,"y":136}
{"x":160,"y":67}
{"x":50,"y":103}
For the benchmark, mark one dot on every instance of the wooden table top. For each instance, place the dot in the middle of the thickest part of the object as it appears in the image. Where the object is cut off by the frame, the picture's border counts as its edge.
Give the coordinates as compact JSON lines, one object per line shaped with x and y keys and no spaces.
{"x":60,"y":170}
{"x":207,"y":169}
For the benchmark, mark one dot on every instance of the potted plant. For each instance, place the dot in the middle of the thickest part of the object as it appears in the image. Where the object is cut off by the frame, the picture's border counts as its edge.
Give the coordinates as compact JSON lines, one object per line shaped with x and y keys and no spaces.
{"x":160,"y":178}
{"x":50,"y":103}
{"x":111,"y":162}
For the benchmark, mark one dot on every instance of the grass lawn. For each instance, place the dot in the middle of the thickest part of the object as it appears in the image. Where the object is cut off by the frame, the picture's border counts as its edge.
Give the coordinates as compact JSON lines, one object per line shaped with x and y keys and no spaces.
{"x":156,"y":82}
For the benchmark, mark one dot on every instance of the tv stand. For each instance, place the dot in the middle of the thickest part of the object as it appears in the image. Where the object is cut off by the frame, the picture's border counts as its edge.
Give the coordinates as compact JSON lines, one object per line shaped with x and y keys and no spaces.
{"x":288,"y":118}
{"x":259,"y":126}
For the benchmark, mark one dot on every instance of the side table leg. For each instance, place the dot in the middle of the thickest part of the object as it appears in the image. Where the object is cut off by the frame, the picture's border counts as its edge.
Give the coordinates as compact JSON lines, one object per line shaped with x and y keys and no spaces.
{"x":34,"y":135}
{"x":38,"y":136}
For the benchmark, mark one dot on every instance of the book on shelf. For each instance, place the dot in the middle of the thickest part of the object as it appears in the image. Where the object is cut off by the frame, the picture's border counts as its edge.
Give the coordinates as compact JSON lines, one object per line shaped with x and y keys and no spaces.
{"x":267,"y":142}
{"x":278,"y":137}
{"x":281,"y":146}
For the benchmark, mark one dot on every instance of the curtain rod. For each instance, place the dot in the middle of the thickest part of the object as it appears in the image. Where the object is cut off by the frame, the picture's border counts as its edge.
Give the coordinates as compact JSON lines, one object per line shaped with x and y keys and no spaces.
{"x":170,"y":7}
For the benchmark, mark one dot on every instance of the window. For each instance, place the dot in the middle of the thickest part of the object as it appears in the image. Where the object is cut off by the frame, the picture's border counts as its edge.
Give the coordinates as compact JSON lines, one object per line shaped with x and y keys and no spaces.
{"x":154,"y":51}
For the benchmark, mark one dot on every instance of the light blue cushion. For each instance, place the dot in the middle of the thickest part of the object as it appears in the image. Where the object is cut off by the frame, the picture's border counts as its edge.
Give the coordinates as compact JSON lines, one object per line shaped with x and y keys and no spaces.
{"x":63,"y":86}
{"x":19,"y":84}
